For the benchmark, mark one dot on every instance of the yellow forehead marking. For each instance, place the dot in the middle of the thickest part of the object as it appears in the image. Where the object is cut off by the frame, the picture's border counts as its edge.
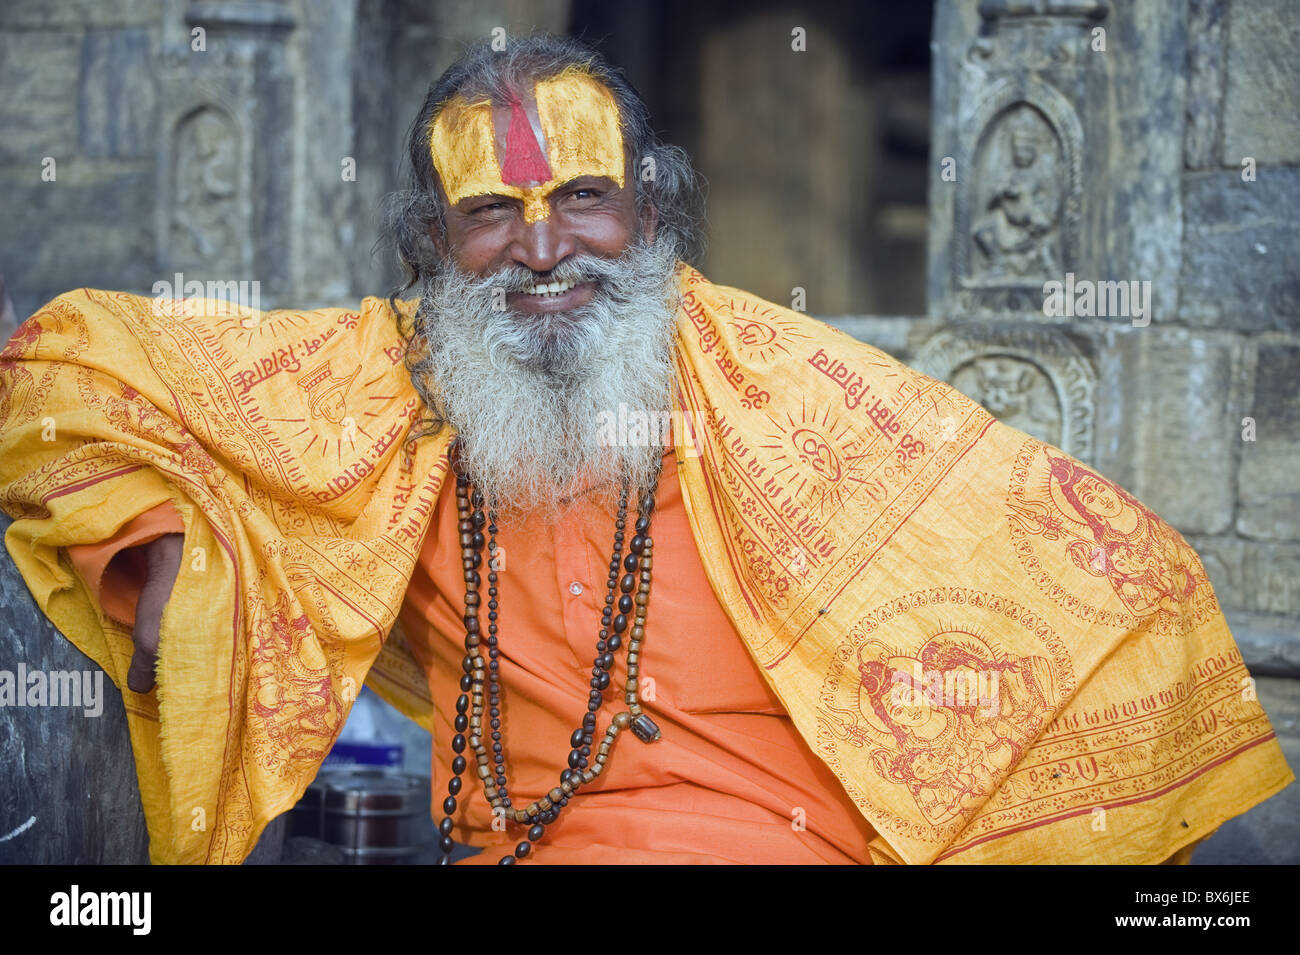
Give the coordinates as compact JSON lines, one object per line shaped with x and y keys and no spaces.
{"x":580,"y":129}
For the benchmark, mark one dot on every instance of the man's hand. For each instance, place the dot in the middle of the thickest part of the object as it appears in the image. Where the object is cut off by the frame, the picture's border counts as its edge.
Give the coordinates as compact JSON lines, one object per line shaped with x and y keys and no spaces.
{"x":163,"y":555}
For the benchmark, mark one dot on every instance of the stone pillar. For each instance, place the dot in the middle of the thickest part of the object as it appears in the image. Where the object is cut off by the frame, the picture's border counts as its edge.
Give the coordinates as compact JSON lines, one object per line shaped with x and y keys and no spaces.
{"x":226,"y":150}
{"x":1120,"y":143}
{"x":1058,"y":159}
{"x":1059,"y":126}
{"x":79,"y":122}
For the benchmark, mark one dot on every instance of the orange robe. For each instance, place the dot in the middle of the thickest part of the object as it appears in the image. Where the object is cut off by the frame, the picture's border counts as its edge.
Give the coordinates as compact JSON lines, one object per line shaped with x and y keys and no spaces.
{"x":730,"y":782}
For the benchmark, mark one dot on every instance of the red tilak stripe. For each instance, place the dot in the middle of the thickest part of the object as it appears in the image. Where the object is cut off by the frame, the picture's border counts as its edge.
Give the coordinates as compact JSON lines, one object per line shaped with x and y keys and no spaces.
{"x":524,"y":161}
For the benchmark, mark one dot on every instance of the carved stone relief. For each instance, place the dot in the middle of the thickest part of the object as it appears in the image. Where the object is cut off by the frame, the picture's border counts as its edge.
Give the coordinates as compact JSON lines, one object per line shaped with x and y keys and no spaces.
{"x":205,"y":215}
{"x":1019,"y":200}
{"x":1017,"y":215}
{"x":1015,"y":390}
{"x":1030,"y":377}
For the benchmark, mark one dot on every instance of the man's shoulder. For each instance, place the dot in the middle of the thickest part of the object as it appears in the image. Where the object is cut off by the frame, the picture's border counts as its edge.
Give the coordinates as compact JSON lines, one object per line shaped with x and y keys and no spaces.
{"x":762,"y":327}
{"x":212,"y":300}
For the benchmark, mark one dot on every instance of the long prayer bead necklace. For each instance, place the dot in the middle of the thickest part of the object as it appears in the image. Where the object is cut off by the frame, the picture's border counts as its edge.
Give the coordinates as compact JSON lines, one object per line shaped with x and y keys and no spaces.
{"x":631,"y":607}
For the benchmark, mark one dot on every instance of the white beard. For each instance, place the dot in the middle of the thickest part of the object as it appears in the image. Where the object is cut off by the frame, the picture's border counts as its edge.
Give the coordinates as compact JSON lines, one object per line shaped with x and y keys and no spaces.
{"x":531,"y":396}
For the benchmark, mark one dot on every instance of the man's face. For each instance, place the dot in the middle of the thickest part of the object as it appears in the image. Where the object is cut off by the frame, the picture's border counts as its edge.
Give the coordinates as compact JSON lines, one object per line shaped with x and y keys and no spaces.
{"x":554,"y":306}
{"x":499,"y":217}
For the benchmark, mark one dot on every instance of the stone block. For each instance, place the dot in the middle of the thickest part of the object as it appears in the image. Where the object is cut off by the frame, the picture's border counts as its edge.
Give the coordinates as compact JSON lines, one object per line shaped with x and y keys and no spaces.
{"x":1267,"y":484}
{"x":1274,"y":573}
{"x":1241,"y":250}
{"x":38,"y":73}
{"x":1263,"y":83}
{"x":93,"y":227}
{"x":71,"y":796}
{"x":1265,"y":577}
{"x":1269,"y":644}
{"x":1202,"y":143}
{"x":1167,"y":428}
{"x":69,"y":777}
{"x":79,"y":15}
{"x":117,"y":100}
{"x":331,"y":32}
{"x":8,"y":313}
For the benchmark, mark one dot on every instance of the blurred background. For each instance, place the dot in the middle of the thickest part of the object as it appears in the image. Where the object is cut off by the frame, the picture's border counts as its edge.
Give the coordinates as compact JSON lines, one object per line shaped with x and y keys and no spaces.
{"x":912,"y":172}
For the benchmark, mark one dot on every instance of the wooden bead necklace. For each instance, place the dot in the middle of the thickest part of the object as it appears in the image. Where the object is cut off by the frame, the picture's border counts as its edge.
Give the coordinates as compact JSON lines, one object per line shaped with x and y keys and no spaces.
{"x":481,"y":679}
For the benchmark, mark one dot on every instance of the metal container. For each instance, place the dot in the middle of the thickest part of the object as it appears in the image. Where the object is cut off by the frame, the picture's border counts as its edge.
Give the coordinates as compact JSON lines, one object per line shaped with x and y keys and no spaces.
{"x":376,"y":816}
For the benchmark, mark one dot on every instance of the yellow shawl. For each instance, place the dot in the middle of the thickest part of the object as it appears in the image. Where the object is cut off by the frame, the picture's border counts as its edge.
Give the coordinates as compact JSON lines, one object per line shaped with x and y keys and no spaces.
{"x":1000,"y":654}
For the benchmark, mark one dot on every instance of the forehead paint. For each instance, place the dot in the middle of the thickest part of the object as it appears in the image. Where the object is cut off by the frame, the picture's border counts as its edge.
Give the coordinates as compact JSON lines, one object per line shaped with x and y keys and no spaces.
{"x":524,"y":163}
{"x":481,"y":152}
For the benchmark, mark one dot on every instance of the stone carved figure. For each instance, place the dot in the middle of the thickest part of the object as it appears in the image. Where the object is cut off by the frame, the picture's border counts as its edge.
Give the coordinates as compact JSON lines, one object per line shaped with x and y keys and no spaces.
{"x":1017,"y":231}
{"x":1032,"y":378}
{"x":204,"y":214}
{"x":1014,"y":390}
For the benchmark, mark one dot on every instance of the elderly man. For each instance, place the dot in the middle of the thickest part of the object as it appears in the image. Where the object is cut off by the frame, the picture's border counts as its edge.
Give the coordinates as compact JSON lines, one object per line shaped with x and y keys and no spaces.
{"x":672,"y":573}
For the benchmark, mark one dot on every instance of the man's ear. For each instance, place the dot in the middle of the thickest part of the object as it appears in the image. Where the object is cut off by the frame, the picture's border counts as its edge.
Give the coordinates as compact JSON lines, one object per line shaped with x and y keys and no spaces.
{"x":439,"y":240}
{"x":649,"y":222}
{"x":438,"y":230}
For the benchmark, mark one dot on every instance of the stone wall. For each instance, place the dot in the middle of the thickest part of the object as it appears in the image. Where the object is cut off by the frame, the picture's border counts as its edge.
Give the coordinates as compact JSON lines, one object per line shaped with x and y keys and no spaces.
{"x":225,"y":141}
{"x":260,"y":149}
{"x":809,"y":121}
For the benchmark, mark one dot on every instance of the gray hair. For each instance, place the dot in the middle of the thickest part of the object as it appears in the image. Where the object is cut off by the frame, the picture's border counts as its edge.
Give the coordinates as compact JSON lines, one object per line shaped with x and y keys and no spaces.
{"x":674,"y":189}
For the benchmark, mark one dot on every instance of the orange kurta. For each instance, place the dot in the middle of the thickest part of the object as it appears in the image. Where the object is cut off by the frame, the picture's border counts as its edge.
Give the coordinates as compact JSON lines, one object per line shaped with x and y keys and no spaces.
{"x":731,"y":780}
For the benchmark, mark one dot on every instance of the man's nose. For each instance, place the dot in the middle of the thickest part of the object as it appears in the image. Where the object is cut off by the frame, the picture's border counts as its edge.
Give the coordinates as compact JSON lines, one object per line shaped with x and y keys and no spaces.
{"x":542,"y":245}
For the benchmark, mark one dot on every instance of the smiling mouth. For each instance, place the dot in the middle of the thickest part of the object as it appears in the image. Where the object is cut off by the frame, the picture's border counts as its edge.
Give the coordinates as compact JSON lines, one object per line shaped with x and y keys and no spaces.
{"x":547,"y":297}
{"x":546,"y":289}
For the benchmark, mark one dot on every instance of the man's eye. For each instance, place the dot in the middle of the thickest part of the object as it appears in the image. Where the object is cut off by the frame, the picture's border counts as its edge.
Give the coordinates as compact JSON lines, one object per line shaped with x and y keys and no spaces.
{"x":586,"y":194}
{"x":490,"y":207}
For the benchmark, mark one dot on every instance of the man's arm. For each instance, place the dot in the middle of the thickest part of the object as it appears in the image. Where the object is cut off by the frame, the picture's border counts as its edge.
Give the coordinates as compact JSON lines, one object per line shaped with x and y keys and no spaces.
{"x":132,"y":575}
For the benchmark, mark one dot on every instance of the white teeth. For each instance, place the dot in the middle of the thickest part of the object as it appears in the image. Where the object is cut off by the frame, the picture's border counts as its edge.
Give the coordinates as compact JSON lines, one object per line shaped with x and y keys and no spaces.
{"x":550,"y":288}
